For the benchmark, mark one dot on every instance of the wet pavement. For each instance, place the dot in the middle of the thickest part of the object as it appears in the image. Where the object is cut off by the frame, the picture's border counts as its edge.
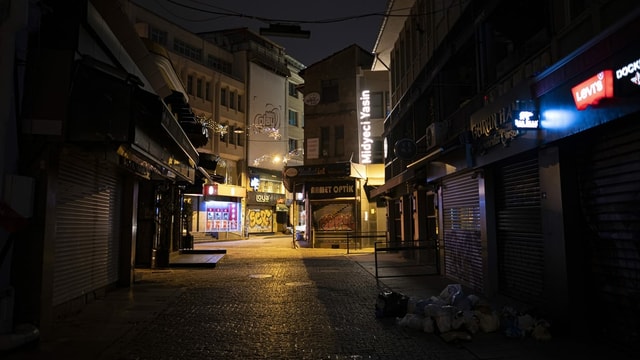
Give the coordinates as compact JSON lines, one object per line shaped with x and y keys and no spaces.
{"x":266,"y":300}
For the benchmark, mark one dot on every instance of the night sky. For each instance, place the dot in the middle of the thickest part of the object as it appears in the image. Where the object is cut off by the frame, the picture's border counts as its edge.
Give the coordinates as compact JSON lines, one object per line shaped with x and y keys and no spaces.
{"x":328,"y":35}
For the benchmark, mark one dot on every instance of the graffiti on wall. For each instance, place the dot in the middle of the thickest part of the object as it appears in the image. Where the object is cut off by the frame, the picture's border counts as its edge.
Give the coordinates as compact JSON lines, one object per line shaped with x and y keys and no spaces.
{"x":333,"y":217}
{"x":260,"y":220}
{"x":269,"y":119}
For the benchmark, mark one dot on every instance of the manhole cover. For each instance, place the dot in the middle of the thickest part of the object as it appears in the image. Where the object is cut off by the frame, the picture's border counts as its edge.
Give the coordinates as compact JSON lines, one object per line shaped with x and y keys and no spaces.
{"x":260,"y":276}
{"x":298,"y":283}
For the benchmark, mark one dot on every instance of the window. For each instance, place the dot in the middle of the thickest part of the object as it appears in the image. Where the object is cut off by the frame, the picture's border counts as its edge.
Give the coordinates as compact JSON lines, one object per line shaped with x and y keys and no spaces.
{"x":240,"y":104}
{"x":224,"y":138}
{"x":339,"y":140}
{"x":293,"y":90}
{"x":293,"y":145}
{"x":232,"y":100}
{"x":187,"y":50}
{"x":330,"y":91}
{"x":199,"y":88}
{"x":158,"y":36}
{"x":207,"y":91}
{"x":232,"y":135}
{"x":293,"y":117}
{"x":377,"y":105}
{"x":324,"y":141}
{"x":223,"y":97}
{"x":241,"y":137}
{"x":190,"y":84}
{"x":219,"y":64}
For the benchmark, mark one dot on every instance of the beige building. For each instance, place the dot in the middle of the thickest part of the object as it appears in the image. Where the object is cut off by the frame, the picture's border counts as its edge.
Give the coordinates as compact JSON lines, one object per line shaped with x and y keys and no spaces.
{"x":345,"y":106}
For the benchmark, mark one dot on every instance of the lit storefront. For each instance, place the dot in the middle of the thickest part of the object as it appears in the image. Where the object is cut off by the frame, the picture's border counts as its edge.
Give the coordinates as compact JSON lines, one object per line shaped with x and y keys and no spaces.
{"x":219,"y":211}
{"x":266,"y":209}
{"x":333,"y":202}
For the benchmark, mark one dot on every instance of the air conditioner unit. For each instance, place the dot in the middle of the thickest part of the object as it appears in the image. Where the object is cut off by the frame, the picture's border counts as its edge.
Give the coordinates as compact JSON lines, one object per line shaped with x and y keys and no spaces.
{"x":436,"y":134}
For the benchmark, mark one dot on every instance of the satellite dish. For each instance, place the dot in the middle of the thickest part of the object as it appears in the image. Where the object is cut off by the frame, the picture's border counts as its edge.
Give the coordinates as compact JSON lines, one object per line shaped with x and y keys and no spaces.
{"x":312,"y":98}
{"x":405,"y":149}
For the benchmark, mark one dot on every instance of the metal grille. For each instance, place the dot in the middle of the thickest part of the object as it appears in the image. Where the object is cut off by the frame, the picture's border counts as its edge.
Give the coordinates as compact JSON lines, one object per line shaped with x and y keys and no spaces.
{"x":519,"y":231}
{"x":86,"y":240}
{"x":610,"y":188}
{"x":461,"y":232}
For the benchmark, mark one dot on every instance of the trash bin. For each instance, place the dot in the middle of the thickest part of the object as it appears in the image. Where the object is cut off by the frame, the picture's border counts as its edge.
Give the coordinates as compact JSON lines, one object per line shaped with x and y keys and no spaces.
{"x":187,"y":241}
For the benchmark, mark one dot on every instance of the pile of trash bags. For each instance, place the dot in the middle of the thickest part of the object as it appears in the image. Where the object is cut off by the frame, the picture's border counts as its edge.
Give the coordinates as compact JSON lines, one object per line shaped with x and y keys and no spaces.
{"x":455,"y":316}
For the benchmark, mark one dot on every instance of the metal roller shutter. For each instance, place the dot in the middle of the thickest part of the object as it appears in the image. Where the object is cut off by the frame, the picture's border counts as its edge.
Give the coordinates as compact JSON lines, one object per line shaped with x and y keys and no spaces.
{"x":86,"y":240}
{"x":610,"y":194}
{"x":519,"y":231}
{"x":461,"y":233}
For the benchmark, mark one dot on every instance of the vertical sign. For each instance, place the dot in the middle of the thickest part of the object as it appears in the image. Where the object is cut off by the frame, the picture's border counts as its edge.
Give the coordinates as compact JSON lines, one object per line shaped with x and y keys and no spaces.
{"x":366,"y":142}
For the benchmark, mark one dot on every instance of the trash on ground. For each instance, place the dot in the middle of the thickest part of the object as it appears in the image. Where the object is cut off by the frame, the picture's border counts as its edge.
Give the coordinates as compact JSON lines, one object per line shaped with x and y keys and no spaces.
{"x":391,"y":304}
{"x":456,"y":316}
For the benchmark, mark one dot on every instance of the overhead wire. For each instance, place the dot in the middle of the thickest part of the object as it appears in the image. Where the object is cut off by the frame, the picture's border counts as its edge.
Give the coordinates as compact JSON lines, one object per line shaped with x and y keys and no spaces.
{"x":222,"y":12}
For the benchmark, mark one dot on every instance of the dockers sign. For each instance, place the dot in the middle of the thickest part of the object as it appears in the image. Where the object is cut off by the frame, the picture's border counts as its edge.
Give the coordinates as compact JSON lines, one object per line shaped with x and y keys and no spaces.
{"x":331,"y":190}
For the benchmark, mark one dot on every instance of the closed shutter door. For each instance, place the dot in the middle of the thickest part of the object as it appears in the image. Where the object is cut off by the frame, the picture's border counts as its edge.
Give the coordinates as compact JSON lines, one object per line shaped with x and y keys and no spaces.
{"x":610,"y":193}
{"x":461,"y":232}
{"x":87,"y":238}
{"x":519,"y":231}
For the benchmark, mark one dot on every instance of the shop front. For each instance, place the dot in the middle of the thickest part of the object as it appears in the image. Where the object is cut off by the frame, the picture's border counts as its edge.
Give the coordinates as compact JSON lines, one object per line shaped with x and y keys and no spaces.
{"x":547,"y":215}
{"x":262,"y":210}
{"x":218,"y":211}
{"x":332,"y":204}
{"x":590,"y":107}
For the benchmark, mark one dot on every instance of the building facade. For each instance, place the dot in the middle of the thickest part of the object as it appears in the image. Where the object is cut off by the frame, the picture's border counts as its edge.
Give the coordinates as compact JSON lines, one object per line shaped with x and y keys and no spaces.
{"x":345,"y":105}
{"x":105,"y":142}
{"x":215,"y":87}
{"x":271,"y":93}
{"x":132,"y":133}
{"x":519,"y":141}
{"x":240,"y":86}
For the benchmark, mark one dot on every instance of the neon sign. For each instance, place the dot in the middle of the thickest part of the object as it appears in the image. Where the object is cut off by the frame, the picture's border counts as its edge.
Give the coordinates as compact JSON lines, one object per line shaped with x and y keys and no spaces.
{"x":525,"y":120}
{"x":210,"y":189}
{"x":254,"y":182}
{"x":629,"y":69}
{"x":594,"y":89}
{"x":366,"y":142}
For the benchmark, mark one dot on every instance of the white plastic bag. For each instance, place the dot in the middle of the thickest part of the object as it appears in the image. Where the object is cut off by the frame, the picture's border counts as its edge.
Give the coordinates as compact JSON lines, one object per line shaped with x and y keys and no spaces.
{"x":412,"y":321}
{"x":451,"y":293}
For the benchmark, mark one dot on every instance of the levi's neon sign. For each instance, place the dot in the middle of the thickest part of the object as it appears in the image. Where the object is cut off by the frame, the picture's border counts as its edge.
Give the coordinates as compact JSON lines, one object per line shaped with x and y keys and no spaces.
{"x":594,"y":89}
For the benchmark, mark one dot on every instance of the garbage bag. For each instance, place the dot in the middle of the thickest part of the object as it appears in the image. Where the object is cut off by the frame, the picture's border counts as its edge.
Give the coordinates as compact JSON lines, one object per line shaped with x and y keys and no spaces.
{"x":412,"y":321}
{"x":416,"y":306}
{"x":428,"y":325}
{"x":444,"y":318}
{"x":451,"y":293}
{"x":488,"y":322}
{"x":391,"y":304}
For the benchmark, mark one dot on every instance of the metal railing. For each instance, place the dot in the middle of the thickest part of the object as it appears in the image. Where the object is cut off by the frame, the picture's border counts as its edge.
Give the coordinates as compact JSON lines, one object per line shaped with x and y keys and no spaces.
{"x":364,"y":239}
{"x":406,"y":258}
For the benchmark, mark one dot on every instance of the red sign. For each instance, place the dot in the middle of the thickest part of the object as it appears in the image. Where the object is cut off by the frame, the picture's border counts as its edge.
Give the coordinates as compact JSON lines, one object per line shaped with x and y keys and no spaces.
{"x":594,"y":89}
{"x":210,"y":189}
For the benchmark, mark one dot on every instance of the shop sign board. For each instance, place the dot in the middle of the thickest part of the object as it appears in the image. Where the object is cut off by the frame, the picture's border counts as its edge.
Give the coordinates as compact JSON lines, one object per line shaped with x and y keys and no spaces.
{"x":593,"y":90}
{"x":332,"y":189}
{"x":366,"y":140}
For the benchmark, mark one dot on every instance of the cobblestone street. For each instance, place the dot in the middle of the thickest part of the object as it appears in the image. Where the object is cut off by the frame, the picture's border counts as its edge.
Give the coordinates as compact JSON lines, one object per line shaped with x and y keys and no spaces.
{"x":268,"y":301}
